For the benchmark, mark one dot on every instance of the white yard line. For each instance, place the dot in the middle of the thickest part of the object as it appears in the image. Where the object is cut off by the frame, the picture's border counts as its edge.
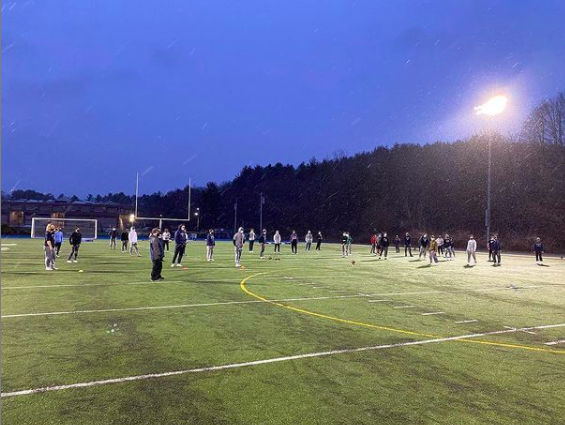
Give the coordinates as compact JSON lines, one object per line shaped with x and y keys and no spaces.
{"x":404,"y":306}
{"x":166,"y":307}
{"x":434,"y":313}
{"x":467,"y":321}
{"x":379,"y":301}
{"x":259,"y":362}
{"x":560,"y":341}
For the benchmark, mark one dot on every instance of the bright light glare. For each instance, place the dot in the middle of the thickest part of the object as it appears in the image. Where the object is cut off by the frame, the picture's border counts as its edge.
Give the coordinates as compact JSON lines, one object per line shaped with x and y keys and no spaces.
{"x":494,"y":106}
{"x":131,"y":218}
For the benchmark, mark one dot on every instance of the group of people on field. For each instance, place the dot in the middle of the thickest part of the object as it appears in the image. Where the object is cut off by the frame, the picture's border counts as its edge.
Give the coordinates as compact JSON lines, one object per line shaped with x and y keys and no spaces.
{"x":428,"y":246}
{"x":53,"y":241}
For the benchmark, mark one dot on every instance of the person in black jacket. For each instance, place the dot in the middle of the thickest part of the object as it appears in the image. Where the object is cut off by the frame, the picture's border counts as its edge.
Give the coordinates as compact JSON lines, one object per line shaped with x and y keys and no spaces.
{"x":113,"y":235}
{"x":385,"y":242}
{"x":319,"y":241}
{"x":489,"y":247}
{"x":125,"y":240}
{"x":538,"y":249}
{"x":75,"y":240}
{"x":157,"y":251}
{"x":496,"y":248}
{"x":397,"y":243}
{"x":407,"y":245}
{"x":262,"y":241}
{"x":424,"y":243}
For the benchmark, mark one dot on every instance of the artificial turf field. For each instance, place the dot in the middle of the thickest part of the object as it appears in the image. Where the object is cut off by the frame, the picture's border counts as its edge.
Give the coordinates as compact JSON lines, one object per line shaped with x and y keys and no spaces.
{"x":115,"y":324}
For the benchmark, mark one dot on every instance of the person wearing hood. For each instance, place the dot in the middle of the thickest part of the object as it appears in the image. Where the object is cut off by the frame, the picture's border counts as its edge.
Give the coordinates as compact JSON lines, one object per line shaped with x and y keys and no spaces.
{"x":277,"y":241}
{"x":309,"y":238}
{"x":397,"y":243}
{"x":251,"y":239}
{"x":210,"y":244}
{"x":496,"y":248}
{"x":319,"y":241}
{"x":238,"y":241}
{"x":471,"y":250}
{"x":344,"y":238}
{"x":181,"y":238}
{"x":294,"y":242}
{"x":157,"y":254}
{"x":125,"y":239}
{"x":133,"y":242}
{"x":489,"y":247}
{"x":263,"y":242}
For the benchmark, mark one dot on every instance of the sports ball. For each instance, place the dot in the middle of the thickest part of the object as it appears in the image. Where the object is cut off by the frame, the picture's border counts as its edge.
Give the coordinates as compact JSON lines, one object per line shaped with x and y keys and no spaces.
{"x":270,"y":258}
{"x":353,"y":262}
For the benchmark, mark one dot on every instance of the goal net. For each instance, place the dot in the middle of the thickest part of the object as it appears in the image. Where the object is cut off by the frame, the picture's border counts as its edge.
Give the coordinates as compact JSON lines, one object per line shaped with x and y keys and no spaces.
{"x":88,"y":227}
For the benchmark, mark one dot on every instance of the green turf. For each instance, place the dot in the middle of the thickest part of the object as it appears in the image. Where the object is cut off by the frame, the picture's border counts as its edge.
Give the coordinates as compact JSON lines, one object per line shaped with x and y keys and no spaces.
{"x":438,"y":383}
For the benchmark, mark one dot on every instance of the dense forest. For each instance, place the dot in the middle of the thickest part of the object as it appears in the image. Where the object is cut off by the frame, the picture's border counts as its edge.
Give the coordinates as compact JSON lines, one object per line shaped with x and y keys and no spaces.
{"x":434,"y":188}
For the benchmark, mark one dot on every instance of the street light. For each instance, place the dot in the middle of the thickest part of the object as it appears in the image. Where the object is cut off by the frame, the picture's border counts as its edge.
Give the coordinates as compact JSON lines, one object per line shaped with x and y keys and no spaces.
{"x":494,"y":106}
{"x":197,"y":215}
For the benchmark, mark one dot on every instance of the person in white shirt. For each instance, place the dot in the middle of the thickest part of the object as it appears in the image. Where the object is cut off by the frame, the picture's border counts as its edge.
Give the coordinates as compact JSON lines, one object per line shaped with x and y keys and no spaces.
{"x":471,"y":250}
{"x":277,"y":241}
{"x":166,"y":238}
{"x":133,"y":242}
{"x":251,"y":239}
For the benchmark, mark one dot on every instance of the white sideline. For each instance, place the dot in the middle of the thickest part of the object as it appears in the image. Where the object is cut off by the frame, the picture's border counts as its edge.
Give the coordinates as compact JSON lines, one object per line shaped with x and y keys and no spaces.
{"x":433,"y":314}
{"x":561,"y":341}
{"x":162,"y":307}
{"x":261,"y":362}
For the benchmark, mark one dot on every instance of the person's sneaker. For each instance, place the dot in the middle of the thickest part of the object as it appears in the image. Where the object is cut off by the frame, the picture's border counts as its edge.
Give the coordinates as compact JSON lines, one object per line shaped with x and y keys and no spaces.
{"x":139,"y":255}
{"x":57,"y":256}
{"x":75,"y":261}
{"x":173,"y":265}
{"x":69,"y":261}
{"x":179,"y":265}
{"x":49,"y":268}
{"x":161,"y":278}
{"x":55,"y":268}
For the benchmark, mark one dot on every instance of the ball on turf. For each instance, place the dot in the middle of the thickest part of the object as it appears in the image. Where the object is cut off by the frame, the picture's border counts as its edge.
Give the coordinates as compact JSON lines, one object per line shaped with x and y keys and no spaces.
{"x":353,"y":262}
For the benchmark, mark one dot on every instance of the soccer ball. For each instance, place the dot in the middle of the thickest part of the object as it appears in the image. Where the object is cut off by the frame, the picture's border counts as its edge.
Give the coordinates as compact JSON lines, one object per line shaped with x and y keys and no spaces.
{"x":270,"y":258}
{"x":353,"y":262}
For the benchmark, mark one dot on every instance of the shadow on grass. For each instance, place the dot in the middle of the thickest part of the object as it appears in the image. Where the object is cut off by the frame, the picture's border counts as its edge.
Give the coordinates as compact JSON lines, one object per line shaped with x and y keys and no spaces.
{"x":425,"y":266}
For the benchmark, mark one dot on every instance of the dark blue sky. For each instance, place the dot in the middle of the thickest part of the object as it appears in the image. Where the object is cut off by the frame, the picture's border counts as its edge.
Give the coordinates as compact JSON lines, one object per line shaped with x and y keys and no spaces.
{"x":93,"y":91}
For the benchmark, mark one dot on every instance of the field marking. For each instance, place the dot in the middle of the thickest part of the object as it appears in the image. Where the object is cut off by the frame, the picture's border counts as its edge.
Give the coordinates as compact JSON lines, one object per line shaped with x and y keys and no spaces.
{"x":4,"y":248}
{"x":467,"y":321}
{"x":166,"y":307}
{"x":379,"y":301}
{"x":262,"y":362}
{"x":390,"y":329}
{"x":560,"y":341}
{"x":528,"y":332}
{"x":145,"y":282}
{"x":434,"y":313}
{"x":403,"y":306}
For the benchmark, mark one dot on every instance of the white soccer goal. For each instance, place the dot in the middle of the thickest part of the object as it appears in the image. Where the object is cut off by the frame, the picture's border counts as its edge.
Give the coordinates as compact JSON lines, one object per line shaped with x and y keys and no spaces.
{"x":88,"y":226}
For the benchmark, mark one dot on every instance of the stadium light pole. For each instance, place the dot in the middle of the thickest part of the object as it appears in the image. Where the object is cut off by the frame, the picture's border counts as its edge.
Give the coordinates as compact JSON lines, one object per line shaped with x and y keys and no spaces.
{"x":235,"y":217}
{"x":493,"y":107}
{"x":197,"y":214}
{"x":261,"y":202}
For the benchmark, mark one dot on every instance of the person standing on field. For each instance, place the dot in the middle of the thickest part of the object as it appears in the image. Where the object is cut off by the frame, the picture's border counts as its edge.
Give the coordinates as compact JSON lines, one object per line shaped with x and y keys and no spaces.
{"x":379,"y":246}
{"x":440,"y":242}
{"x":181,"y":239}
{"x":49,"y":248}
{"x":397,"y":244}
{"x":157,"y":252}
{"x":58,"y":241}
{"x":373,"y":244}
{"x":319,"y":241}
{"x":489,"y":247}
{"x":433,"y":250}
{"x":309,"y":238}
{"x":471,"y":250}
{"x":277,"y":241}
{"x":133,"y":242}
{"x":407,"y":245}
{"x":496,"y":248}
{"x":210,"y":244}
{"x":424,"y":243}
{"x":238,"y":241}
{"x":263,"y":242}
{"x":125,"y":240}
{"x":75,"y":240}
{"x":538,"y":249}
{"x":385,"y":242}
{"x":113,"y":237}
{"x":294,"y":242}
{"x":166,"y":239}
{"x":344,"y":249}
{"x":251,"y":239}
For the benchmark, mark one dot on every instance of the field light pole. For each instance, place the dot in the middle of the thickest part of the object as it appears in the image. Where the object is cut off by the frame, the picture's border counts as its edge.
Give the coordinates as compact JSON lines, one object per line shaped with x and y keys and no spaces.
{"x":235,"y":216}
{"x":261,"y":202}
{"x":197,"y":214}
{"x":494,"y":106}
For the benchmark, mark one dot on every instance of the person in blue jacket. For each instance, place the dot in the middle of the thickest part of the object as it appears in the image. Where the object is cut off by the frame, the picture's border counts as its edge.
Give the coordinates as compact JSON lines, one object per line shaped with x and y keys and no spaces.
{"x":538,"y":249}
{"x":181,"y":239}
{"x":210,"y":244}
{"x":58,"y":241}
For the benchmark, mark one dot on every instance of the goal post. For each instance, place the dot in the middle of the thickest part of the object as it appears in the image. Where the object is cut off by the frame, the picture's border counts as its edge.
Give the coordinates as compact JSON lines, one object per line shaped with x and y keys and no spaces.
{"x":88,"y":226}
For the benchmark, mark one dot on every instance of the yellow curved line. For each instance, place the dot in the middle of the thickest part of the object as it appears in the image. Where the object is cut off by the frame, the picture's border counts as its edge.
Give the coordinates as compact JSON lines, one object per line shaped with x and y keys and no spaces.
{"x":384,"y":328}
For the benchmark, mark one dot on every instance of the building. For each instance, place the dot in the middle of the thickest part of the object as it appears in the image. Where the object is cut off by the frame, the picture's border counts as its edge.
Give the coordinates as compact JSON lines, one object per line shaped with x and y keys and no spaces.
{"x":18,"y":213}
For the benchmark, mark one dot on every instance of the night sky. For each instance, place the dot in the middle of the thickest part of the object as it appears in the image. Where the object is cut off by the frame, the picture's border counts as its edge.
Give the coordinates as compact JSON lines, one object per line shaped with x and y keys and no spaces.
{"x":93,"y":91}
